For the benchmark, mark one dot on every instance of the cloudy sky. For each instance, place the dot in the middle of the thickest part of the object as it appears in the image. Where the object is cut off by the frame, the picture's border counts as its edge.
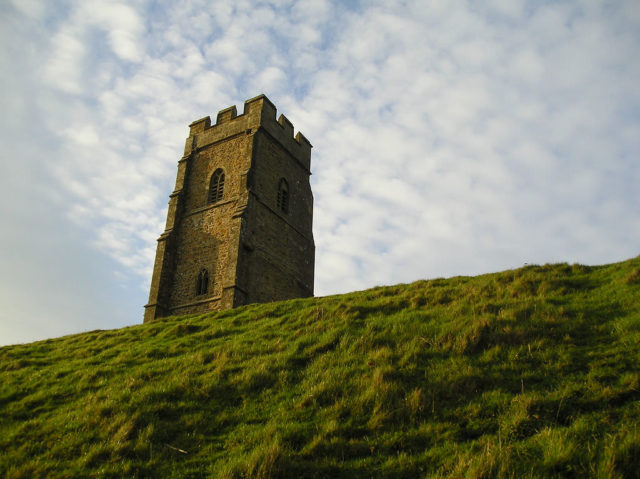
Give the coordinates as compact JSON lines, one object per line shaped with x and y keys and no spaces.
{"x":450,"y":137}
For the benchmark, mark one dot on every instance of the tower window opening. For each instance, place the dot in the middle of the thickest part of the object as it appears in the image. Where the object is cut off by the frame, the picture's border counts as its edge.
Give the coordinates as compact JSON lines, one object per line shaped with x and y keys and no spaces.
{"x":202,"y":285}
{"x":216,"y":186}
{"x":283,"y":196}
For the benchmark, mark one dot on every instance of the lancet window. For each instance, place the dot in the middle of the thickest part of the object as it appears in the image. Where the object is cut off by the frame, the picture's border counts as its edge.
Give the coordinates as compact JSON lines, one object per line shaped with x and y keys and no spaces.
{"x":202,"y":285}
{"x":216,"y":186}
{"x":283,"y":196}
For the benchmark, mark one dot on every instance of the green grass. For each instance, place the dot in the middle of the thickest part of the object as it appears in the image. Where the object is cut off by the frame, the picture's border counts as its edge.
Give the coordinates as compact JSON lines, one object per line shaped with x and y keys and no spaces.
{"x":526,"y":373}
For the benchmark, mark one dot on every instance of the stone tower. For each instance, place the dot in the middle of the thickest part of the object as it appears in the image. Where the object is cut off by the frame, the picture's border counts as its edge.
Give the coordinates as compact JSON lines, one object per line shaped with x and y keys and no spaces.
{"x":239,"y":221}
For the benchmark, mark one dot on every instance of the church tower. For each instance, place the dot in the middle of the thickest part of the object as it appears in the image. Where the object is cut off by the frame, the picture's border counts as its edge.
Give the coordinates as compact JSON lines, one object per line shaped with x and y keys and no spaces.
{"x":239,"y":221}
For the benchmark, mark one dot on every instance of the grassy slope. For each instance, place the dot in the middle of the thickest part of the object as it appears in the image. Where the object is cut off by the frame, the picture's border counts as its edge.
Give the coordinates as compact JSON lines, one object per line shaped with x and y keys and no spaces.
{"x":532,"y":372}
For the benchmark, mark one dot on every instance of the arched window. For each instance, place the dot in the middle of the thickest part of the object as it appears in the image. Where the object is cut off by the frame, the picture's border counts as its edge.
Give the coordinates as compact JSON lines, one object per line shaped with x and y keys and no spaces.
{"x":216,"y":186}
{"x":283,"y":196}
{"x":202,"y":285}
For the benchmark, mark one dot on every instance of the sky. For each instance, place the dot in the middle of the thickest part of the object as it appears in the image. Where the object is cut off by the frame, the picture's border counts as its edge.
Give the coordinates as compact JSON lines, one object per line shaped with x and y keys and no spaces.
{"x":450,"y":137}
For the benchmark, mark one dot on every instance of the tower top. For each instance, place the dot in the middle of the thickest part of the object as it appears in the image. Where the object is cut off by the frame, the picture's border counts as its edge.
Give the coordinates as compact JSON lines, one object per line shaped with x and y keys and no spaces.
{"x":259,"y":112}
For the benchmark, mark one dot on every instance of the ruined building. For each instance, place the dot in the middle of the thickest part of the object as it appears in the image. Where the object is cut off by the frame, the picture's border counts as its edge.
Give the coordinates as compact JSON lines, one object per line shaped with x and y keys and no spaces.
{"x":239,"y":221}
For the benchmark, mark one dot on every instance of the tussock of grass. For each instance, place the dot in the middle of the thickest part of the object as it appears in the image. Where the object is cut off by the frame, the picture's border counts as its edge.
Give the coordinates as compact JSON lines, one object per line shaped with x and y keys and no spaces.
{"x":525,"y":373}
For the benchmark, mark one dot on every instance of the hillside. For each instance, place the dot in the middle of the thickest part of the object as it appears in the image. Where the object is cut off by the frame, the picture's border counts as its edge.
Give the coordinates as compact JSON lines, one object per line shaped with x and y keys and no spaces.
{"x":532,"y":372}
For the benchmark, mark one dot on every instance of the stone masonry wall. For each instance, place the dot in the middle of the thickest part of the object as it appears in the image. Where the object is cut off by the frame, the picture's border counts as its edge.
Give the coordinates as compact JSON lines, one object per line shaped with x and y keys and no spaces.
{"x":281,"y":244}
{"x":206,"y":236}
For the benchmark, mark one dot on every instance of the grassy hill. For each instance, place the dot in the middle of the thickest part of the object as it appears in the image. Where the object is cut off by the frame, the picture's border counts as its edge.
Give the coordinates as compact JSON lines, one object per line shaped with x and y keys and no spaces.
{"x":526,"y":373}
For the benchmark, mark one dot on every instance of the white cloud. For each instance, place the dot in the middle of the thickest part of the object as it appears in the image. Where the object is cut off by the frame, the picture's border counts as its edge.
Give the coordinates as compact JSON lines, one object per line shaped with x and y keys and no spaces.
{"x":34,"y":9}
{"x":64,"y":69}
{"x":83,"y":135}
{"x":121,"y":22}
{"x":269,"y":79}
{"x":509,"y":8}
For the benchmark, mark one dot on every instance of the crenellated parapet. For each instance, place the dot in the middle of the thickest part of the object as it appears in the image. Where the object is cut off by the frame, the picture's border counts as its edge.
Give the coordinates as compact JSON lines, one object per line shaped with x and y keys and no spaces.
{"x":259,"y":112}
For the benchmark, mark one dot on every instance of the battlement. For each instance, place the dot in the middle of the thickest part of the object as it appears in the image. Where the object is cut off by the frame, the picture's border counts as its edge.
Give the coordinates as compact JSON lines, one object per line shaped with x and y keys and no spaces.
{"x":259,"y":112}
